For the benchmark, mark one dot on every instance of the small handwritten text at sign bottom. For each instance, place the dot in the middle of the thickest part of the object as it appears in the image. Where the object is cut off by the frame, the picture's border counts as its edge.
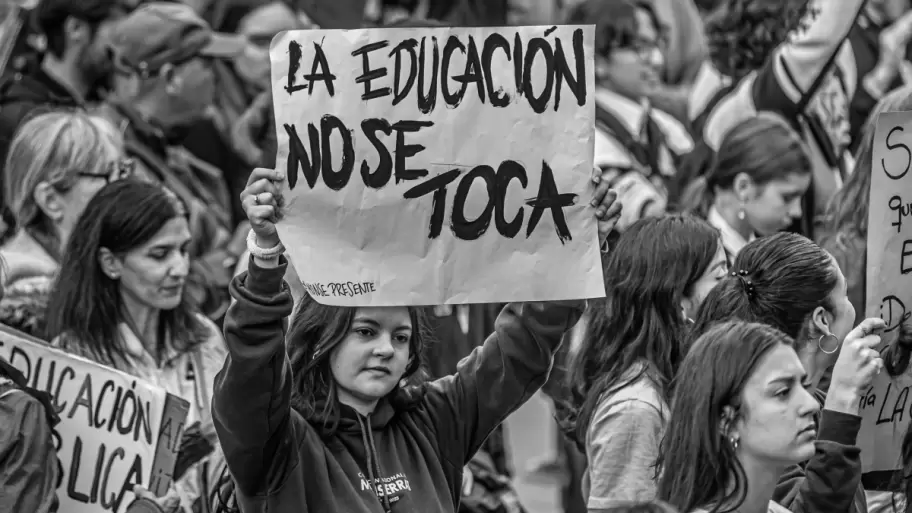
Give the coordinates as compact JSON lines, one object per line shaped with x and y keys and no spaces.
{"x":336,"y":289}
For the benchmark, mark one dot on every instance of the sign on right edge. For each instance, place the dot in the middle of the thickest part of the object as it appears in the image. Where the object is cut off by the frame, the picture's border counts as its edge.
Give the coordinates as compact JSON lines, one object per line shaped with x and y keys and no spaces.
{"x":885,"y":407}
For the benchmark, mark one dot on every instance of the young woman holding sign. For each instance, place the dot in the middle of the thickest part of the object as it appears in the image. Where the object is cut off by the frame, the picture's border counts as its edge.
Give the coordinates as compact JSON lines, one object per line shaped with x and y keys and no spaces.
{"x":342,"y":422}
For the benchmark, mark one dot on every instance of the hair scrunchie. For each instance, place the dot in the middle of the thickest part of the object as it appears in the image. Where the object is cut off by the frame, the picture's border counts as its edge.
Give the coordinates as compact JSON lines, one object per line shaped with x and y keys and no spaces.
{"x":746,"y":282}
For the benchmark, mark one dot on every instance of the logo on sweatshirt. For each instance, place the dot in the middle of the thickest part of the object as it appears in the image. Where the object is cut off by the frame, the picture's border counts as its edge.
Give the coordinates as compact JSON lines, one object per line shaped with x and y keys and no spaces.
{"x":391,"y":486}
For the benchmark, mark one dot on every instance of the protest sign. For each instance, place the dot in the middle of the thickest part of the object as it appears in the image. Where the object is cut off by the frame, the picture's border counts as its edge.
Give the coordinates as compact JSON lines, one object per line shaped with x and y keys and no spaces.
{"x":889,"y":286}
{"x":429,"y":166}
{"x":115,"y":430}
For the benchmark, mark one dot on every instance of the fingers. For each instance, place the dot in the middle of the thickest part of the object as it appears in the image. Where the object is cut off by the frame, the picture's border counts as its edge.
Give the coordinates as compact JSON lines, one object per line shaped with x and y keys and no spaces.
{"x":261,"y":216}
{"x":609,"y":208}
{"x":867,"y":327}
{"x":261,"y":173}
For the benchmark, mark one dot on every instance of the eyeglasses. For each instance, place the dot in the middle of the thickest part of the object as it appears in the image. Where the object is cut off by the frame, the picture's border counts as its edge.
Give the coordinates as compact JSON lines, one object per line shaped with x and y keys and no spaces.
{"x":645,"y":48}
{"x":114,"y":171}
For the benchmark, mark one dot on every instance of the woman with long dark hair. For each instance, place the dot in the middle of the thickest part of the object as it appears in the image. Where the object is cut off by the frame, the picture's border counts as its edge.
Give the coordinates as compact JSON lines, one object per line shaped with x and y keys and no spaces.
{"x":790,"y":283}
{"x":741,"y":414}
{"x":119,"y":300}
{"x":338,"y":419}
{"x":755,"y":184}
{"x":655,"y":278}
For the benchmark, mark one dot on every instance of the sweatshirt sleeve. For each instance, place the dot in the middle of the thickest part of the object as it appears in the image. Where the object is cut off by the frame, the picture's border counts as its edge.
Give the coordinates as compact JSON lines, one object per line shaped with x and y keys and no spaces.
{"x":251,"y":404}
{"x":796,"y":64}
{"x":498,"y":377}
{"x":828,"y":482}
{"x":622,"y":447}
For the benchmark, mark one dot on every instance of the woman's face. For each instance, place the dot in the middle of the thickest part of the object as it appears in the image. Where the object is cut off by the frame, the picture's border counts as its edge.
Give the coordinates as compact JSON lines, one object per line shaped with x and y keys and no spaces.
{"x":372,"y":357}
{"x":776,"y":426}
{"x":76,"y":198}
{"x":154,"y":273}
{"x":259,"y":26}
{"x":842,"y":316}
{"x":774,"y":206}
{"x":635,"y":70}
{"x":711,"y":276}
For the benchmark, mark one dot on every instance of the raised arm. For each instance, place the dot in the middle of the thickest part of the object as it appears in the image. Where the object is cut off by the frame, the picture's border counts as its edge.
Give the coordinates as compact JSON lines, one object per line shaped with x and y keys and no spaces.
{"x":251,"y":406}
{"x":798,"y":62}
{"x":252,"y":400}
{"x":498,"y":377}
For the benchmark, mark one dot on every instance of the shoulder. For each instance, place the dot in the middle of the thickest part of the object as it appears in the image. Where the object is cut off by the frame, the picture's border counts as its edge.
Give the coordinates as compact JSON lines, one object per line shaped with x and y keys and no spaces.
{"x":23,"y":258}
{"x":640,"y":399}
{"x":212,"y":347}
{"x":609,"y":152}
{"x":676,"y":136}
{"x":18,"y":406}
{"x":736,"y":106}
{"x":775,"y":507}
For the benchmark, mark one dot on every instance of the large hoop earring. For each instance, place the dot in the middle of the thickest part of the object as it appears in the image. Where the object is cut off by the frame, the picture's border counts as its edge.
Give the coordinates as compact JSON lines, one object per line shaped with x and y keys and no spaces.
{"x":820,"y":343}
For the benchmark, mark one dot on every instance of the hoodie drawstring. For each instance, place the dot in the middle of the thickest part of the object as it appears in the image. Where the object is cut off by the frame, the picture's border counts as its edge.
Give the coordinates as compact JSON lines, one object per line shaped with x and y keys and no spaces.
{"x":373,"y":461}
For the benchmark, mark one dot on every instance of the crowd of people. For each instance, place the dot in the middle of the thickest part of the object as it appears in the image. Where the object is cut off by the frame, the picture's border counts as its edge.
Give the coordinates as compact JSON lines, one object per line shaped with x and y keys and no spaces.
{"x":723,"y":372}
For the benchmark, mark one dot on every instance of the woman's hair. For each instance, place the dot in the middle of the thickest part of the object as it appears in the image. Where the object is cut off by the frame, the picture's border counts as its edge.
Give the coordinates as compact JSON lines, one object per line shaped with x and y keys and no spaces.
{"x":86,"y":306}
{"x":764,"y":147}
{"x":315,"y":331}
{"x":742,"y":34}
{"x":616,"y":24}
{"x":698,"y":465}
{"x":653,"y":266}
{"x":847,"y":211}
{"x":55,"y":147}
{"x":777,"y":280}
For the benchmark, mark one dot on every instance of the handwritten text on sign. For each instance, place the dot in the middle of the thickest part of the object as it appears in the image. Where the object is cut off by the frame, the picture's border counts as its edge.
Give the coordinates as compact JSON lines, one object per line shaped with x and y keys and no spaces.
{"x":110,"y":425}
{"x":434,"y":166}
{"x":889,"y":284}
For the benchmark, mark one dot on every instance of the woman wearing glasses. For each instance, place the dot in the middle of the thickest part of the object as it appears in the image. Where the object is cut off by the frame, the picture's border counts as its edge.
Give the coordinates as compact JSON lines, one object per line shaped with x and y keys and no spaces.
{"x":637,"y":146}
{"x":56,"y":163}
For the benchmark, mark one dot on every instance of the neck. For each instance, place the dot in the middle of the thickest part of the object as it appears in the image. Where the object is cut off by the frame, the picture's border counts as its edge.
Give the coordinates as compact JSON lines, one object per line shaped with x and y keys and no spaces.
{"x":761,"y":483}
{"x":67,"y":75}
{"x":606,"y":84}
{"x":815,"y":362}
{"x":143,"y":319}
{"x":365,"y":408}
{"x":728,"y":207}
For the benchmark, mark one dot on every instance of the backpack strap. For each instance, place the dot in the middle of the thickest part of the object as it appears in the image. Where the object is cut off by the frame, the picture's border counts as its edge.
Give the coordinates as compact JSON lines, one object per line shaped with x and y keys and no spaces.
{"x":699,"y":123}
{"x":608,"y":122}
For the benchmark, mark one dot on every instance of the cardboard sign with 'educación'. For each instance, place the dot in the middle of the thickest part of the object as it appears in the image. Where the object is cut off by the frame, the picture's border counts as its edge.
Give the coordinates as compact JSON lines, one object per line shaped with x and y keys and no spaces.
{"x":429,"y":166}
{"x":115,"y":430}
{"x":886,"y":407}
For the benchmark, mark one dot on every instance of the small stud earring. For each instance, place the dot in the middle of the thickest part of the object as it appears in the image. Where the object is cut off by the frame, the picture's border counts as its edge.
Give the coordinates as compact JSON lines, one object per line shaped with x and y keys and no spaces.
{"x":734,"y":441}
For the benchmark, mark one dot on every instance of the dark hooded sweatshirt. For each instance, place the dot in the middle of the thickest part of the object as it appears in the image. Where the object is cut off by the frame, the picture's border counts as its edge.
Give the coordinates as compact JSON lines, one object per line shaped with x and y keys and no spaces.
{"x":394,"y":460}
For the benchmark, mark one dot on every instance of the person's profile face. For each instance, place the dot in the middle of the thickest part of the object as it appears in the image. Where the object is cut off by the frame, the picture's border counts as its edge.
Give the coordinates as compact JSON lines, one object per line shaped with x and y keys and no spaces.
{"x":842,"y":310}
{"x":777,"y":204}
{"x":714,"y":273}
{"x":776,"y":426}
{"x":637,"y":68}
{"x":190,"y":93}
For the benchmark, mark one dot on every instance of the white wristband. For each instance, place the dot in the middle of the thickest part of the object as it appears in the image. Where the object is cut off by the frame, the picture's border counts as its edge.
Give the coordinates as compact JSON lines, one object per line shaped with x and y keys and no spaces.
{"x":263,"y":253}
